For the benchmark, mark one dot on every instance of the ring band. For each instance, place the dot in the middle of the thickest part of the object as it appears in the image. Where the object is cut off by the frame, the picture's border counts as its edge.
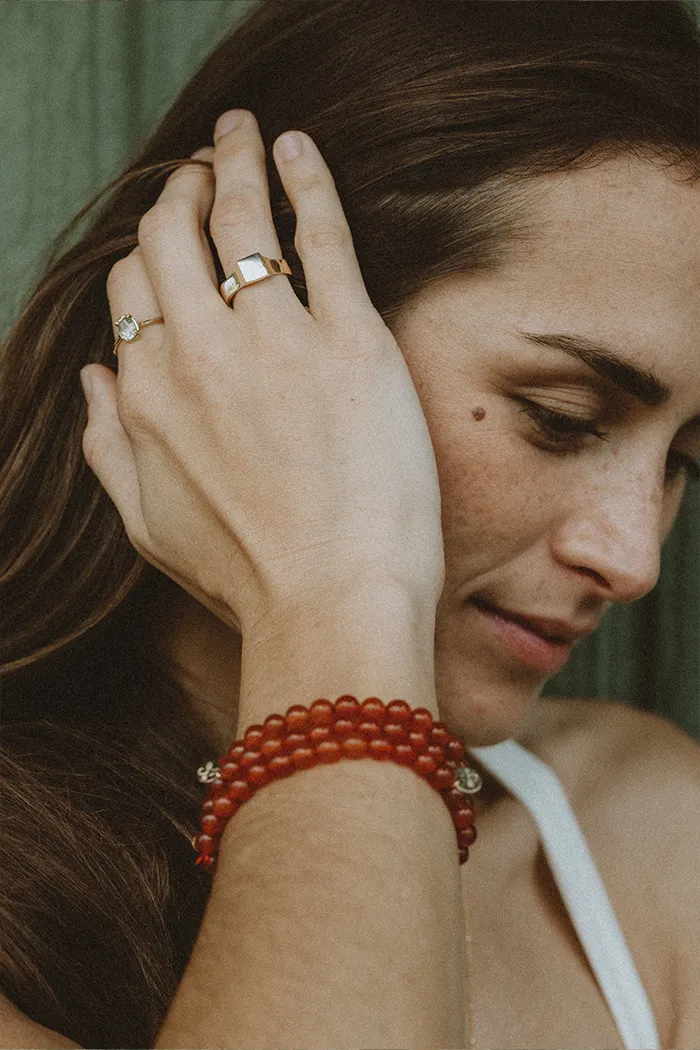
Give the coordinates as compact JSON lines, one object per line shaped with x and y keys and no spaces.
{"x":250,"y":270}
{"x":129,"y":328}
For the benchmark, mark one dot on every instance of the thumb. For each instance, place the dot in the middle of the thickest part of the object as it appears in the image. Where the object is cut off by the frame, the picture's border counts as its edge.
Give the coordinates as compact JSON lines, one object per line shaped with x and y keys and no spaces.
{"x":108,"y":452}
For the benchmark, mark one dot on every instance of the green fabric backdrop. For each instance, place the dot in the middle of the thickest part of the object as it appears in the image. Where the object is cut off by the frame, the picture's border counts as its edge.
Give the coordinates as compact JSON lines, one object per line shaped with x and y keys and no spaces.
{"x":81,"y":81}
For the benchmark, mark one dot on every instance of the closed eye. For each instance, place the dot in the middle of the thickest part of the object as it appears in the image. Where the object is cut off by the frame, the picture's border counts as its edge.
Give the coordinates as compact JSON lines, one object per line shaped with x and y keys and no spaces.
{"x":563,"y":433}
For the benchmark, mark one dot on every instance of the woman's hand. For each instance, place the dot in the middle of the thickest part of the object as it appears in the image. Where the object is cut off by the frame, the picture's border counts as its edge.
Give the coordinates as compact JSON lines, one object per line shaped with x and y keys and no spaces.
{"x":264,"y":456}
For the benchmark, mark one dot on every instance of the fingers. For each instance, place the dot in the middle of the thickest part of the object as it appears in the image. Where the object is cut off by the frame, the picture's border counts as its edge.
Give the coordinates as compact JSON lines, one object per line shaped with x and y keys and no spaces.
{"x":323,"y":239}
{"x":175,"y":250}
{"x":242,"y":223}
{"x":176,"y":270}
{"x":129,"y":291}
{"x":241,"y":219}
{"x":108,"y":453}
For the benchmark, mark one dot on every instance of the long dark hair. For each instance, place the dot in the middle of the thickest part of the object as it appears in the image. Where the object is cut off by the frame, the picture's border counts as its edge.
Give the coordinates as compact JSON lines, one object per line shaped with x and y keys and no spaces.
{"x":430,"y":116}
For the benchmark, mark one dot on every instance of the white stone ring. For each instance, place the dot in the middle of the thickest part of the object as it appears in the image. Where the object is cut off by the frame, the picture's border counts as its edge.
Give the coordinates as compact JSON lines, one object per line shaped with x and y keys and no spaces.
{"x":128,"y":329}
{"x":250,"y":270}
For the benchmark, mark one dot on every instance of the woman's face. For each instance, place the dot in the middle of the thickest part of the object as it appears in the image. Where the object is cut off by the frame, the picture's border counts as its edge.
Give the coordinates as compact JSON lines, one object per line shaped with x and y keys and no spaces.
{"x":542,"y":516}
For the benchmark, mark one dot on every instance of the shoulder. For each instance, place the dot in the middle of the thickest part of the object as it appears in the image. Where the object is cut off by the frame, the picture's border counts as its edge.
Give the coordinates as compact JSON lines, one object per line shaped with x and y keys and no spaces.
{"x":633,"y":778}
{"x":589,"y":737}
{"x":629,"y":768}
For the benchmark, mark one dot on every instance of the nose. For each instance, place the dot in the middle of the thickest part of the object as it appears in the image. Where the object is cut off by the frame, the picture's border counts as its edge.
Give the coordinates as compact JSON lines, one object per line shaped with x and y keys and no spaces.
{"x":613,"y":534}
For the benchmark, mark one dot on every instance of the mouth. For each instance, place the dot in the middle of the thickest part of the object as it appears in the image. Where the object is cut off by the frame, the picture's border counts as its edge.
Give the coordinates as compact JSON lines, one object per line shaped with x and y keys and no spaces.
{"x":541,"y":645}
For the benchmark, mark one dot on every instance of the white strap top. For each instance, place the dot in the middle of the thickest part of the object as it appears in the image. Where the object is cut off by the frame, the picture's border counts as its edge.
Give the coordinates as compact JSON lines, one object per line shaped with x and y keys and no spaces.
{"x":581,"y":887}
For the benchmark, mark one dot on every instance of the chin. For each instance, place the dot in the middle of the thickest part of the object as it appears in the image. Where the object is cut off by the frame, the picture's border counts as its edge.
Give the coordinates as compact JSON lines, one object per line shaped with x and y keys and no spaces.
{"x":480,"y":707}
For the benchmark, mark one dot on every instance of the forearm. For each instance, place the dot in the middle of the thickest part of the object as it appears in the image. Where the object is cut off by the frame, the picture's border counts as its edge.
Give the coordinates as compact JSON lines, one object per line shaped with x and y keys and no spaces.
{"x":335,"y":918}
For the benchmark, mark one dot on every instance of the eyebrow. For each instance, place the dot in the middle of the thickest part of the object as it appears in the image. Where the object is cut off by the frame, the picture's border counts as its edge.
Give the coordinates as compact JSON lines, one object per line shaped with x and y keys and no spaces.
{"x":612,"y":366}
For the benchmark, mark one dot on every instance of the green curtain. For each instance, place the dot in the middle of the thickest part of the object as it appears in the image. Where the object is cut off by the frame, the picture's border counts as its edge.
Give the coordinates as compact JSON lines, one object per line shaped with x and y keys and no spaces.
{"x":81,"y":83}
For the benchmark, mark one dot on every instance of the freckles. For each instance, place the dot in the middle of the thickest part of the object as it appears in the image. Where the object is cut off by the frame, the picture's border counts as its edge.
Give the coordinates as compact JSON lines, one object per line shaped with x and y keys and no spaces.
{"x":478,"y":414}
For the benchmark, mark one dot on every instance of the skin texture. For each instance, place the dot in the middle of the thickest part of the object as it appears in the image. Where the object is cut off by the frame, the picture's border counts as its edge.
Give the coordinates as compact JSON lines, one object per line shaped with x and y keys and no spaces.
{"x":557,"y":528}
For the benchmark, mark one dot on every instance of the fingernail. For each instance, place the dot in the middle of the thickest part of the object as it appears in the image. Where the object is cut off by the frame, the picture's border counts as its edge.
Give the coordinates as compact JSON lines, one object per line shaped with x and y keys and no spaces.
{"x":289,"y":145}
{"x":86,"y":380}
{"x":228,"y":121}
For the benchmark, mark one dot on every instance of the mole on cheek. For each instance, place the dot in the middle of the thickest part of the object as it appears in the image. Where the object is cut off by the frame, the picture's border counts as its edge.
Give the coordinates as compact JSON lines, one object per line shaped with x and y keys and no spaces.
{"x":478,"y":414}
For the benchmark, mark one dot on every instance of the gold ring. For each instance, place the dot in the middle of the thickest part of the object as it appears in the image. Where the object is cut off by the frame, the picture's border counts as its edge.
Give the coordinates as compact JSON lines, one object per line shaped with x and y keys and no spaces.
{"x":129,"y":328}
{"x":250,"y":270}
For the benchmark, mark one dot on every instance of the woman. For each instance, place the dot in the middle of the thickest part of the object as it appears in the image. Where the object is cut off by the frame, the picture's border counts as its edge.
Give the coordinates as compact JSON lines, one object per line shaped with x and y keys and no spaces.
{"x":427,"y":485}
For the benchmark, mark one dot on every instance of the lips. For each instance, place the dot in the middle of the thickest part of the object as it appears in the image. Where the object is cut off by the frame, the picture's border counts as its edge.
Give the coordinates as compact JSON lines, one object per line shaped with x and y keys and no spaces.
{"x":539,"y":644}
{"x":558,"y":631}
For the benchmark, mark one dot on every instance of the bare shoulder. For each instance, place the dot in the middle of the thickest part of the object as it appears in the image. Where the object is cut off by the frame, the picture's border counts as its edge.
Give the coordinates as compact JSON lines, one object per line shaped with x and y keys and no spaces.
{"x":617,"y":761}
{"x":633,"y":778}
{"x":581,"y":734}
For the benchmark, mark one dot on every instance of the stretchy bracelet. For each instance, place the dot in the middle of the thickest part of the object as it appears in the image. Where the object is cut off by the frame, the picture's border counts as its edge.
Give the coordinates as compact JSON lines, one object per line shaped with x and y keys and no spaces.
{"x":325,"y":733}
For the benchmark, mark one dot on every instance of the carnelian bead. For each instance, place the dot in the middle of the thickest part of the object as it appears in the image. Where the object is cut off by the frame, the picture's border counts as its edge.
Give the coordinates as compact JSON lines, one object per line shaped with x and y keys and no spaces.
{"x":320,"y":733}
{"x":442,"y":778}
{"x":240,"y":790}
{"x":303,"y":757}
{"x":348,"y":707}
{"x":236,"y":750}
{"x":229,"y":770}
{"x":418,"y":740}
{"x":404,"y":754}
{"x":439,"y":734}
{"x":217,"y":788}
{"x":270,"y":748}
{"x":204,"y":843}
{"x":211,"y":825}
{"x":425,"y":765}
{"x":466,"y":836}
{"x":280,"y":766}
{"x":399,"y":711}
{"x":274,"y":726}
{"x":463,"y":855}
{"x":321,"y":712}
{"x":463,"y":816}
{"x":380,"y":747}
{"x":369,"y":729}
{"x":343,"y":727}
{"x":455,"y":797}
{"x":421,"y":718}
{"x":248,"y":759}
{"x":297,"y":718}
{"x":374,"y":710}
{"x":258,"y":776}
{"x":224,"y":808}
{"x":455,"y":749}
{"x":395,"y":732}
{"x":292,"y":741}
{"x":252,"y":737}
{"x":436,"y":752}
{"x":355,"y":746}
{"x":329,"y":751}
{"x":208,"y":805}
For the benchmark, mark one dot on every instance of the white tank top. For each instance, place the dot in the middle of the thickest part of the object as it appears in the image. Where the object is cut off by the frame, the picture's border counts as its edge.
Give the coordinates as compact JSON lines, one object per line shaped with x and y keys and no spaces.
{"x":581,"y":887}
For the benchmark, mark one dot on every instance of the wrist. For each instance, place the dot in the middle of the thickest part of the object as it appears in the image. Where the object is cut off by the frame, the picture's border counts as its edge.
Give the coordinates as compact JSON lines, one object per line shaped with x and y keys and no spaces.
{"x":370,"y":640}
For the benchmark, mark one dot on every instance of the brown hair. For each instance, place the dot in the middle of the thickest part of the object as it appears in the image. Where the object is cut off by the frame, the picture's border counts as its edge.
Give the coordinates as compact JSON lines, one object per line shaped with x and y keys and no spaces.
{"x":430,"y":115}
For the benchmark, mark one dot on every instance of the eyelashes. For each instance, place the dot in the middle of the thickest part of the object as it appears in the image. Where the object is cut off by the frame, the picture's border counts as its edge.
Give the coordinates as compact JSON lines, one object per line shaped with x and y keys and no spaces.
{"x":564,"y":434}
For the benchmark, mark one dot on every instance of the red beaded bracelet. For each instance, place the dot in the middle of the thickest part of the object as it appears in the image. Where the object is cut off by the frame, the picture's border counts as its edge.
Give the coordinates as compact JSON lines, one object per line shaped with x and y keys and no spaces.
{"x":326,"y":732}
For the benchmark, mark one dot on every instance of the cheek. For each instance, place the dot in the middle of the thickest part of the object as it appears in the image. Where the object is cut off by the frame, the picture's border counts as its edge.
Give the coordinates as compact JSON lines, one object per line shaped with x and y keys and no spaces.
{"x":495,"y":500}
